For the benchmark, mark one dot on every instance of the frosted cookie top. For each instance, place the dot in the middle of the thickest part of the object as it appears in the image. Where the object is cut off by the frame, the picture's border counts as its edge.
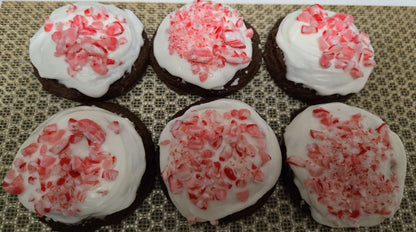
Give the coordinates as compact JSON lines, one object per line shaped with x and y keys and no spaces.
{"x":349,"y":166}
{"x":87,"y":46}
{"x":324,"y":51}
{"x":82,"y":162}
{"x":203,"y":43}
{"x":217,"y":159}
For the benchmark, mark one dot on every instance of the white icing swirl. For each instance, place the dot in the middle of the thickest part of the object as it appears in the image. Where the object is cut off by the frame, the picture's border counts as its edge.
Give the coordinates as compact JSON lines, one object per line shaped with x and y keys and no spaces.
{"x":87,"y":81}
{"x":297,"y":136}
{"x":221,"y":209}
{"x":302,"y":54}
{"x":128,"y":149}
{"x":180,"y":67}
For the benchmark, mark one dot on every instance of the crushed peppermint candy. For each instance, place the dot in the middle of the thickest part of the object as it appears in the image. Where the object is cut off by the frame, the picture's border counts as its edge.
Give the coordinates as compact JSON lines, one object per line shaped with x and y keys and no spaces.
{"x":341,"y":46}
{"x":60,"y":177}
{"x":87,"y":39}
{"x":206,"y":37}
{"x":344,"y":163}
{"x":212,"y":152}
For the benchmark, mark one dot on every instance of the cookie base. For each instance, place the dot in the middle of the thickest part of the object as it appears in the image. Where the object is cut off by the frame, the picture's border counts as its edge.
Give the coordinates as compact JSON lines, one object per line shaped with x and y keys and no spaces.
{"x":145,"y":187}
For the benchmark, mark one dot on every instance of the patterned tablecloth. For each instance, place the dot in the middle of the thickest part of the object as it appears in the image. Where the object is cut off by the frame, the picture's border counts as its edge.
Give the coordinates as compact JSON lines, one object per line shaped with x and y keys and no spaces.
{"x":389,"y":93}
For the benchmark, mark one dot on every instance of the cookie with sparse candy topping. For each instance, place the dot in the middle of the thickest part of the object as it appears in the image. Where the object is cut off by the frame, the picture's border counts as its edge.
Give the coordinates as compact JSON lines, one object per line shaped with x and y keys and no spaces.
{"x":318,"y":56}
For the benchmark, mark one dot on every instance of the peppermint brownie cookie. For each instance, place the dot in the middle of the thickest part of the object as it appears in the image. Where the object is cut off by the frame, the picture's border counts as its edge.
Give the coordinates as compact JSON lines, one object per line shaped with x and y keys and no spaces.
{"x":207,"y":49}
{"x":84,"y":167}
{"x":318,"y":56}
{"x":89,"y":52}
{"x":219,"y":161}
{"x":349,"y":166}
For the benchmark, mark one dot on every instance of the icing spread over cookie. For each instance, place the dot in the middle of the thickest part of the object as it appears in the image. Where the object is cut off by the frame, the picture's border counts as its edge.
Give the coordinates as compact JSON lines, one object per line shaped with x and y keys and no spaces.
{"x":87,"y":46}
{"x":325,"y":51}
{"x":203,"y":43}
{"x":218,"y":155}
{"x":82,"y":162}
{"x":349,"y":166}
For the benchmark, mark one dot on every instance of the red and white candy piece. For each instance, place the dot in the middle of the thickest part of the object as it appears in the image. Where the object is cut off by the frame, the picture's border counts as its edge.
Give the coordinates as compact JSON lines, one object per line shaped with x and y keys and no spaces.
{"x":340,"y":44}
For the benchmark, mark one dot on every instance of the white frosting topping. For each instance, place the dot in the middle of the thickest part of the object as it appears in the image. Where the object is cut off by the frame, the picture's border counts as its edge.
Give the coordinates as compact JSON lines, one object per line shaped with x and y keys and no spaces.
{"x":128,"y":149}
{"x":217,"y":209}
{"x":180,"y":67}
{"x":87,"y":81}
{"x":297,"y":136}
{"x":302,"y":54}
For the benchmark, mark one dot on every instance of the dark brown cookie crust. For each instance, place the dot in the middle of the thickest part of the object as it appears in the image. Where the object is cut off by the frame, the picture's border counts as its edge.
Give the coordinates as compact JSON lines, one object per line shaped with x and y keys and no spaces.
{"x":232,"y":217}
{"x":274,"y":59}
{"x":145,"y":187}
{"x":243,"y":76}
{"x":118,"y":88}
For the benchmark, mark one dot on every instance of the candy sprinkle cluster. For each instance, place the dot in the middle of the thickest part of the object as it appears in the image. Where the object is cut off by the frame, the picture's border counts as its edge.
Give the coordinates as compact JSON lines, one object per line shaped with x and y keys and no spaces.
{"x":210,"y":153}
{"x":61,"y":179}
{"x":206,"y":36}
{"x":87,"y":39}
{"x":341,"y":46}
{"x":345,"y":166}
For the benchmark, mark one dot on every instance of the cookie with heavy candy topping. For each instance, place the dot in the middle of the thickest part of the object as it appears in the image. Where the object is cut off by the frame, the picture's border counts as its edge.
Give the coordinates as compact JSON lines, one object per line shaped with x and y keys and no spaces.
{"x":211,"y":52}
{"x":219,"y":161}
{"x":84,"y":167}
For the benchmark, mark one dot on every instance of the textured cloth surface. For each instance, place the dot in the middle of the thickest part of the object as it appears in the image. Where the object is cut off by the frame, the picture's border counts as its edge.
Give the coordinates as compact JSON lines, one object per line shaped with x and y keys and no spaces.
{"x":390,"y":93}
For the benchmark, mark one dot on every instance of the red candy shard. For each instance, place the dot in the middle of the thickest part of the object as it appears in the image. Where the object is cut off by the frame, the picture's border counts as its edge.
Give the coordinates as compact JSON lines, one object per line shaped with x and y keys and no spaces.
{"x":20,"y":165}
{"x":48,"y":25}
{"x":243,"y":114}
{"x":234,"y":39}
{"x":110,"y":174}
{"x":114,"y":29}
{"x":30,"y":149}
{"x":229,"y":173}
{"x":175,"y":185}
{"x":92,"y":131}
{"x":71,"y":9}
{"x":356,"y":73}
{"x":13,"y":182}
{"x":253,"y":130}
{"x":308,"y":29}
{"x":220,"y":194}
{"x":164,"y":142}
{"x":296,"y":160}
{"x":264,"y":157}
{"x":243,"y":196}
{"x":59,"y":146}
{"x":115,"y":127}
{"x":200,"y":55}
